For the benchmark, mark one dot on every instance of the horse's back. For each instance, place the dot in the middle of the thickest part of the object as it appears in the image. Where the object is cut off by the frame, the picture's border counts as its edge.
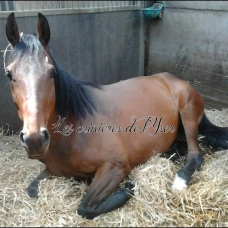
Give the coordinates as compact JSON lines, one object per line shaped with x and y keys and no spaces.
{"x":159,"y":92}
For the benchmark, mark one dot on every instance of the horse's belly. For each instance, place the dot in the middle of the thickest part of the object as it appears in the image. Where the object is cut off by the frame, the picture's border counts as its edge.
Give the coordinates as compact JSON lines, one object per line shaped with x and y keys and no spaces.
{"x":149,"y":126}
{"x":149,"y":136}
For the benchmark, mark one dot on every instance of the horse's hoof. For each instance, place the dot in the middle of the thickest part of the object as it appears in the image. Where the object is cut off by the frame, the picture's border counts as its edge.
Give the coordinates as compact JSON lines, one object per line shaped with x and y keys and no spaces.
{"x":179,"y":183}
{"x":86,"y":213}
{"x":33,"y":192}
{"x":129,"y":186}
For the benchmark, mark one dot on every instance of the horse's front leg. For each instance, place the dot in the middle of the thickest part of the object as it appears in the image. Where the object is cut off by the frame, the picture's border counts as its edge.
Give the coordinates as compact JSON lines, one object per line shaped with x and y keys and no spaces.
{"x":106,"y":180}
{"x":34,"y":185}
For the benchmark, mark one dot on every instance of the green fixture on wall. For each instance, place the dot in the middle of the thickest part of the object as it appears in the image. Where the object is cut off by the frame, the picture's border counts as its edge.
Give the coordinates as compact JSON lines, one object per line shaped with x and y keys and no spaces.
{"x":155,"y":11}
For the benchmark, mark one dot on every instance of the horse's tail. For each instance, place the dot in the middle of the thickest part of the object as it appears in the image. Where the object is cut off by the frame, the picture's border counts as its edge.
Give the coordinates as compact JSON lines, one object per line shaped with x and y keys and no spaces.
{"x":214,"y":135}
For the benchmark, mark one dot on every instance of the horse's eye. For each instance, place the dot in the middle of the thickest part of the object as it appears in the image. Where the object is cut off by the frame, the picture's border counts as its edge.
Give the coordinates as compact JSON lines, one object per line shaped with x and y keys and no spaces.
{"x":8,"y":74}
{"x":53,"y":73}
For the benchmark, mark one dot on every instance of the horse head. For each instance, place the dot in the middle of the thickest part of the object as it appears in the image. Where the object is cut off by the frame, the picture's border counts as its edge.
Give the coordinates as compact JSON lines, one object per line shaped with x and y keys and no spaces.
{"x":30,"y":70}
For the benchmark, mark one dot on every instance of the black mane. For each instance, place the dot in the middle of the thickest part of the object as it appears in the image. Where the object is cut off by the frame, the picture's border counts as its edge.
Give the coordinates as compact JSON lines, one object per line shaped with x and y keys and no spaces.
{"x":73,"y":97}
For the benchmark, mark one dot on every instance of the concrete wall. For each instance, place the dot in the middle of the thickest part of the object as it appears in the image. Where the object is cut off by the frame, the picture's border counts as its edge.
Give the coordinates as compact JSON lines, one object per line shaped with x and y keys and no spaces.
{"x":99,"y":47}
{"x":191,"y":41}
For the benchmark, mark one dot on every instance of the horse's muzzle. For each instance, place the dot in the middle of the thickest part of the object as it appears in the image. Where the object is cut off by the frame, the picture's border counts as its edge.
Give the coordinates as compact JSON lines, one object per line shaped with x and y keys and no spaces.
{"x":36,"y":144}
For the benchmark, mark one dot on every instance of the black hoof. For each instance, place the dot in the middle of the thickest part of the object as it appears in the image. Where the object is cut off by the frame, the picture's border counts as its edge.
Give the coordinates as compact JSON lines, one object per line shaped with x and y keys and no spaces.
{"x":32,"y":192}
{"x":130,"y":186}
{"x":87,"y":213}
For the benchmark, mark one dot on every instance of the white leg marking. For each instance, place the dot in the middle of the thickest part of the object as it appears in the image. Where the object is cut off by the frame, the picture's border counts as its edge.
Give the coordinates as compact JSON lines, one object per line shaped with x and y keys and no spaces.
{"x":179,"y":183}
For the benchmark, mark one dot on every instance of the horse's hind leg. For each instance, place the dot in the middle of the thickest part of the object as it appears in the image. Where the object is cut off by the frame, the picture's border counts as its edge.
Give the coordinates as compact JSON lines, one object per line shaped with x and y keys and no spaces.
{"x":191,"y":110}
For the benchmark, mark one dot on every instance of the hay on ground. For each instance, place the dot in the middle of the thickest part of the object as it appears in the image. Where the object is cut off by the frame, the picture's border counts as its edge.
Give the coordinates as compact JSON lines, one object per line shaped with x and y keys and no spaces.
{"x":204,"y":203}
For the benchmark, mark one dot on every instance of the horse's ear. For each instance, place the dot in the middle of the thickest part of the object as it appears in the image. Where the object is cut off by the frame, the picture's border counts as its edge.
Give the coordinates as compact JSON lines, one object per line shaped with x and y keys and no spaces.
{"x":43,"y":29}
{"x":12,"y":32}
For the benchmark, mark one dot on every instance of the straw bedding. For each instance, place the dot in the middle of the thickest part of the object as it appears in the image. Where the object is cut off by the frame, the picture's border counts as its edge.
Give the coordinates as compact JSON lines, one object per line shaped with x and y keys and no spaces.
{"x":204,"y":203}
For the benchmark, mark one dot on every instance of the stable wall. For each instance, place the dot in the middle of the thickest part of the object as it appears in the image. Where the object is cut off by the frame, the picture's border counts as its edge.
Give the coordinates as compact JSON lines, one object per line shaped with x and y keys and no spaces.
{"x":191,"y":41}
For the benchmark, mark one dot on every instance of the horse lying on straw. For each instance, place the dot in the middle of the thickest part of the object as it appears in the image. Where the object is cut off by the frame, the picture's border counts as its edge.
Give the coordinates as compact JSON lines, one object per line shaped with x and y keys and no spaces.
{"x":84,"y":130}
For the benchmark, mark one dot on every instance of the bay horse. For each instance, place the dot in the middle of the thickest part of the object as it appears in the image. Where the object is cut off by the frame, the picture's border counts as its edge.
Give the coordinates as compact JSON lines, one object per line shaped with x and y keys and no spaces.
{"x":85,"y":130}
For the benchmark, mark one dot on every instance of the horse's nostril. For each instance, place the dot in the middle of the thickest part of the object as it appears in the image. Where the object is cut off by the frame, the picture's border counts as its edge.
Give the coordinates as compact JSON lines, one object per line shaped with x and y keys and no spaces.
{"x":22,"y":139}
{"x":45,"y":136}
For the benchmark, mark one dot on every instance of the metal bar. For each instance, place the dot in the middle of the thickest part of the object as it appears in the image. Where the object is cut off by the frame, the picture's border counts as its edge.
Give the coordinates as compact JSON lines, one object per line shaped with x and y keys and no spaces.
{"x":48,"y":5}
